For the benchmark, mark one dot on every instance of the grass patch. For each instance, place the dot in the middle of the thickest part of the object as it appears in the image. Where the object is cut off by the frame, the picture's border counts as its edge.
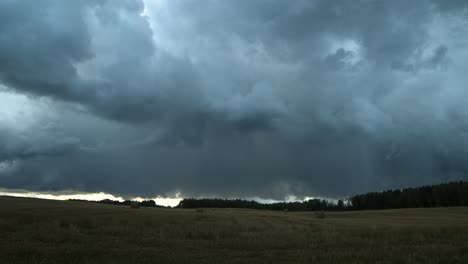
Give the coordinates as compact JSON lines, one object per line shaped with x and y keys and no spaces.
{"x":41,"y":231}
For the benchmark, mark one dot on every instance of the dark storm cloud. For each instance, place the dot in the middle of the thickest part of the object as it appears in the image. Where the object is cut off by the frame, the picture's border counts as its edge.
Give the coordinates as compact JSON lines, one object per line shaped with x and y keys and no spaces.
{"x":24,"y":146}
{"x":263,"y":98}
{"x":451,"y":5}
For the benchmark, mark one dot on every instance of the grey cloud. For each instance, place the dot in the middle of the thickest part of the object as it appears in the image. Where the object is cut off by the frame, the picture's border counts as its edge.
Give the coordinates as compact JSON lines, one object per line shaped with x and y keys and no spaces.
{"x":339,"y":59}
{"x":19,"y":145}
{"x":37,"y":52}
{"x":451,"y":5}
{"x":439,"y":59}
{"x":97,"y":53}
{"x":262,"y":98}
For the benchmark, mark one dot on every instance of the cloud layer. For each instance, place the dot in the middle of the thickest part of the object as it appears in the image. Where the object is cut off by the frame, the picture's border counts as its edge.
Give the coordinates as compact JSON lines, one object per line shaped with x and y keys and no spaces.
{"x":260,"y":98}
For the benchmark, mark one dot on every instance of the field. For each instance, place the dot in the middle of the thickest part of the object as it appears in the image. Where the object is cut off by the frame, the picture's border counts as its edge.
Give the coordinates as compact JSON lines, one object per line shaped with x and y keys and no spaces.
{"x":43,"y":231}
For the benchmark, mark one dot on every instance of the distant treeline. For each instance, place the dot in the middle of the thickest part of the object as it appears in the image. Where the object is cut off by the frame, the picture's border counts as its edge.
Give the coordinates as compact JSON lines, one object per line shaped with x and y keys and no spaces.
{"x":145,"y":203}
{"x":442,"y":195}
{"x":309,"y":205}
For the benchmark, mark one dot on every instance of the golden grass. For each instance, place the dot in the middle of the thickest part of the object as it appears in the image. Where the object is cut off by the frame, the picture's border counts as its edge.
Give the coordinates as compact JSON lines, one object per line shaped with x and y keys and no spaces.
{"x":42,"y":231}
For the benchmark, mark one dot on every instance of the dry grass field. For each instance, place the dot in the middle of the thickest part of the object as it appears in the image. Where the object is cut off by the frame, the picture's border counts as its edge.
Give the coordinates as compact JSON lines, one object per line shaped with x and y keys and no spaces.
{"x":43,"y":231}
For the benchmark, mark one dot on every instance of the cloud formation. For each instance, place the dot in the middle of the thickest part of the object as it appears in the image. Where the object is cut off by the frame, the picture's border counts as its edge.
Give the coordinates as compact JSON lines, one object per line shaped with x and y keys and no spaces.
{"x":260,"y":98}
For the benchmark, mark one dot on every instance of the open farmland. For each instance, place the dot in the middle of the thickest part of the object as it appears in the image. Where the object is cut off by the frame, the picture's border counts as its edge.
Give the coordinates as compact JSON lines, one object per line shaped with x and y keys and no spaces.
{"x":44,"y":231}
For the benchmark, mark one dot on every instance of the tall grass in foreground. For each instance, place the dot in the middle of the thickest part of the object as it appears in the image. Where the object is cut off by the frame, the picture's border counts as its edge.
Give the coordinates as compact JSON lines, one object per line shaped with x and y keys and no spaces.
{"x":40,"y":231}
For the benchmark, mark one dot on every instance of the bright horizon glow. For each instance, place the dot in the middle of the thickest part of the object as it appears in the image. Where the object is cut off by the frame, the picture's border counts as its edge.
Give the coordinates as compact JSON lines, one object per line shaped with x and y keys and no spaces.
{"x":98,"y":196}
{"x":164,"y":201}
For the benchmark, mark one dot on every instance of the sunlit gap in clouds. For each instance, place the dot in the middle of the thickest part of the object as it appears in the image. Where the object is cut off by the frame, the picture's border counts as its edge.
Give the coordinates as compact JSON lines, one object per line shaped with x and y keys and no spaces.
{"x":160,"y":200}
{"x":97,"y":196}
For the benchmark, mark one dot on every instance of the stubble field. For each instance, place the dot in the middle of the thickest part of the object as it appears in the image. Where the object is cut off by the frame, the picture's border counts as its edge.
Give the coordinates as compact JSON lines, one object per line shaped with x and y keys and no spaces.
{"x":44,"y":231}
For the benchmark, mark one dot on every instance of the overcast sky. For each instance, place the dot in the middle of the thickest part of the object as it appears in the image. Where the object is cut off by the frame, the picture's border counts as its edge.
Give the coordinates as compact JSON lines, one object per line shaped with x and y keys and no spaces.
{"x":232,"y":98}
